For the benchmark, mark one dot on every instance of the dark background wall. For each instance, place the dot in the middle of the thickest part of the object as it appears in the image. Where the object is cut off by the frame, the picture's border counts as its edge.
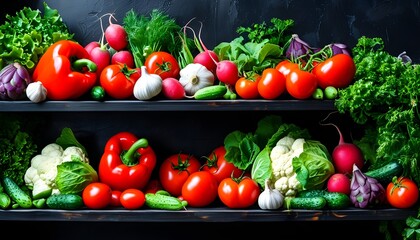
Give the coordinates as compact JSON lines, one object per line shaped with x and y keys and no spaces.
{"x":317,"y":22}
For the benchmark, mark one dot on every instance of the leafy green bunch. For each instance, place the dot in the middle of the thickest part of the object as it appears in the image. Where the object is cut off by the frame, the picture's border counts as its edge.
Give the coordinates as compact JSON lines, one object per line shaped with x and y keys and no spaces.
{"x":384,"y":99}
{"x":24,"y":37}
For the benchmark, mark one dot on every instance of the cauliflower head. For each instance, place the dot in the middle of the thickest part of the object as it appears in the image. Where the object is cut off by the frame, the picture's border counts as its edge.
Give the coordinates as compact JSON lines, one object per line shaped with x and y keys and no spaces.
{"x":281,"y":157}
{"x":40,"y":176}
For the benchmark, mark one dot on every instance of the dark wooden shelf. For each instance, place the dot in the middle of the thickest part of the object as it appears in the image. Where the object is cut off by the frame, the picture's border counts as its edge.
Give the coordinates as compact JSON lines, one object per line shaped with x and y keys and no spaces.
{"x":205,"y":215}
{"x":166,"y":105}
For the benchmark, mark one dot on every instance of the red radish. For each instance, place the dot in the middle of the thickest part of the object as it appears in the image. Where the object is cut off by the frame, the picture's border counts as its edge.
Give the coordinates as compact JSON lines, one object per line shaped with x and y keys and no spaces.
{"x":339,"y":182}
{"x":124,"y":57}
{"x":115,"y":35}
{"x":226,"y":70}
{"x":345,"y":155}
{"x":102,"y":57}
{"x":172,"y":89}
{"x":206,"y":59}
{"x":91,"y":46}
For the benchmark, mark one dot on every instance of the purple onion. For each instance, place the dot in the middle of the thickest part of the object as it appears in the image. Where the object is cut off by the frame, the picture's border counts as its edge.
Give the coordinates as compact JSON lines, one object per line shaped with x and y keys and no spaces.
{"x":338,"y":48}
{"x":297,"y":48}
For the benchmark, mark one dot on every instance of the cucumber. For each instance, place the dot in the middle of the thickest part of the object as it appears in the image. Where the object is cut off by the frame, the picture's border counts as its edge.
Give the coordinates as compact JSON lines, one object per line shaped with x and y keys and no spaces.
{"x":5,"y":201}
{"x":385,"y":173}
{"x":210,"y":92}
{"x":67,"y":201}
{"x":163,"y":200}
{"x":310,"y":203}
{"x":18,"y":195}
{"x":335,"y":200}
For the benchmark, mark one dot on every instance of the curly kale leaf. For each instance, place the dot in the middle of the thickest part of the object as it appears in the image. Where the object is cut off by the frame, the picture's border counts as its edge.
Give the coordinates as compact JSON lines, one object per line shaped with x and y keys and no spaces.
{"x":25,"y":36}
{"x":385,"y":93}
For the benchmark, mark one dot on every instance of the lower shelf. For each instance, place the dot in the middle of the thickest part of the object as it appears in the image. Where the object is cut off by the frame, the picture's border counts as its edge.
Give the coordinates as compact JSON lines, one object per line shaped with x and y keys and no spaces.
{"x":205,"y":215}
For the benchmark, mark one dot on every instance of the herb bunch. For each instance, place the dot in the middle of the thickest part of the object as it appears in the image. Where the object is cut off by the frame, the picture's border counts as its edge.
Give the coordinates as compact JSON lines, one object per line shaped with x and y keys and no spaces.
{"x":384,"y":99}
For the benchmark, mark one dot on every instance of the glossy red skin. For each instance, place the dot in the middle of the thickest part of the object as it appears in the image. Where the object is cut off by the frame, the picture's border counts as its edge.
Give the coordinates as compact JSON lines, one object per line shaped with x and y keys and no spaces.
{"x":217,"y":165}
{"x":115,"y":198}
{"x":97,"y":195}
{"x":171,"y":178}
{"x":172,"y":89}
{"x":247,"y":88}
{"x":91,"y":46}
{"x":227,"y":72}
{"x":339,"y":182}
{"x":102,"y":57}
{"x":132,"y":198}
{"x":208,"y":59}
{"x":337,"y":71}
{"x":272,"y":84}
{"x":119,"y":176}
{"x":238,"y":195}
{"x":200,"y":189}
{"x":163,"y":64}
{"x":301,"y":84}
{"x":119,"y":84}
{"x":403,"y":194}
{"x":285,"y":67}
{"x":123,"y":57}
{"x":116,"y":36}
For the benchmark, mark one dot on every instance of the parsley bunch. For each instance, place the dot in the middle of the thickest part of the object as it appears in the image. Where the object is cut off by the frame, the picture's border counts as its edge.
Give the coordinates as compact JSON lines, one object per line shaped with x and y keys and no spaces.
{"x":384,"y":97}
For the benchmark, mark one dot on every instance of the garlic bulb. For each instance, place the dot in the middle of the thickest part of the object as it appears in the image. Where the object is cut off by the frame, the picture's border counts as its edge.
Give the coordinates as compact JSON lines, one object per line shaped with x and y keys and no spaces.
{"x":270,"y":198}
{"x":36,"y":92}
{"x":147,"y":86}
{"x":195,"y":76}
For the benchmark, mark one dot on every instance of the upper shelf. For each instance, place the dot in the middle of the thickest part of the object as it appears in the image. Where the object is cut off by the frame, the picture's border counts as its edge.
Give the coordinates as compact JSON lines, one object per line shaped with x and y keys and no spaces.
{"x":166,"y":105}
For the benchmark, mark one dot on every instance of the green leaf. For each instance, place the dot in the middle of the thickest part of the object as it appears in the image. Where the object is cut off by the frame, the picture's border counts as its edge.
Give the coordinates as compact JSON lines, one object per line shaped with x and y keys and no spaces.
{"x":261,"y":168}
{"x":67,"y":139}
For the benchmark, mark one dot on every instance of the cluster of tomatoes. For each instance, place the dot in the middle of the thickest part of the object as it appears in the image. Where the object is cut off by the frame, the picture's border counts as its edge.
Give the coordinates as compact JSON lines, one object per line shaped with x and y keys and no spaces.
{"x":185,"y":177}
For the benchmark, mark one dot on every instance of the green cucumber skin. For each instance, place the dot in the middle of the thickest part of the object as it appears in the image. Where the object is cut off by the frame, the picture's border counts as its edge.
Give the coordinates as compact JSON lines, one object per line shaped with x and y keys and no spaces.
{"x":66,"y":201}
{"x":385,"y":173}
{"x":210,"y":92}
{"x":310,"y":203}
{"x":335,"y":200}
{"x":19,"y":196}
{"x":164,"y":202}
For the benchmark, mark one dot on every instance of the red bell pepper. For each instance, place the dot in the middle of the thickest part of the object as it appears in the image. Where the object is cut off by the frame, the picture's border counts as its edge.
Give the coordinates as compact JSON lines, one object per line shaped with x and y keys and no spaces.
{"x":65,"y":70}
{"x":127,"y":162}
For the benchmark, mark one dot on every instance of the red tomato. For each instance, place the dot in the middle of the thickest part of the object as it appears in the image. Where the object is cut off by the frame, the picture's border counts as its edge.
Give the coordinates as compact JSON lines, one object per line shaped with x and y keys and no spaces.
{"x":272,"y":84}
{"x":301,"y":84}
{"x":337,"y":71}
{"x":217,"y":165}
{"x":175,"y":170}
{"x":163,"y":64}
{"x":247,"y":88}
{"x":200,"y":189}
{"x":242,"y":194}
{"x":132,"y":198}
{"x":285,"y":67}
{"x":115,"y":198}
{"x":97,"y":195}
{"x":402,"y":193}
{"x":118,"y":80}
